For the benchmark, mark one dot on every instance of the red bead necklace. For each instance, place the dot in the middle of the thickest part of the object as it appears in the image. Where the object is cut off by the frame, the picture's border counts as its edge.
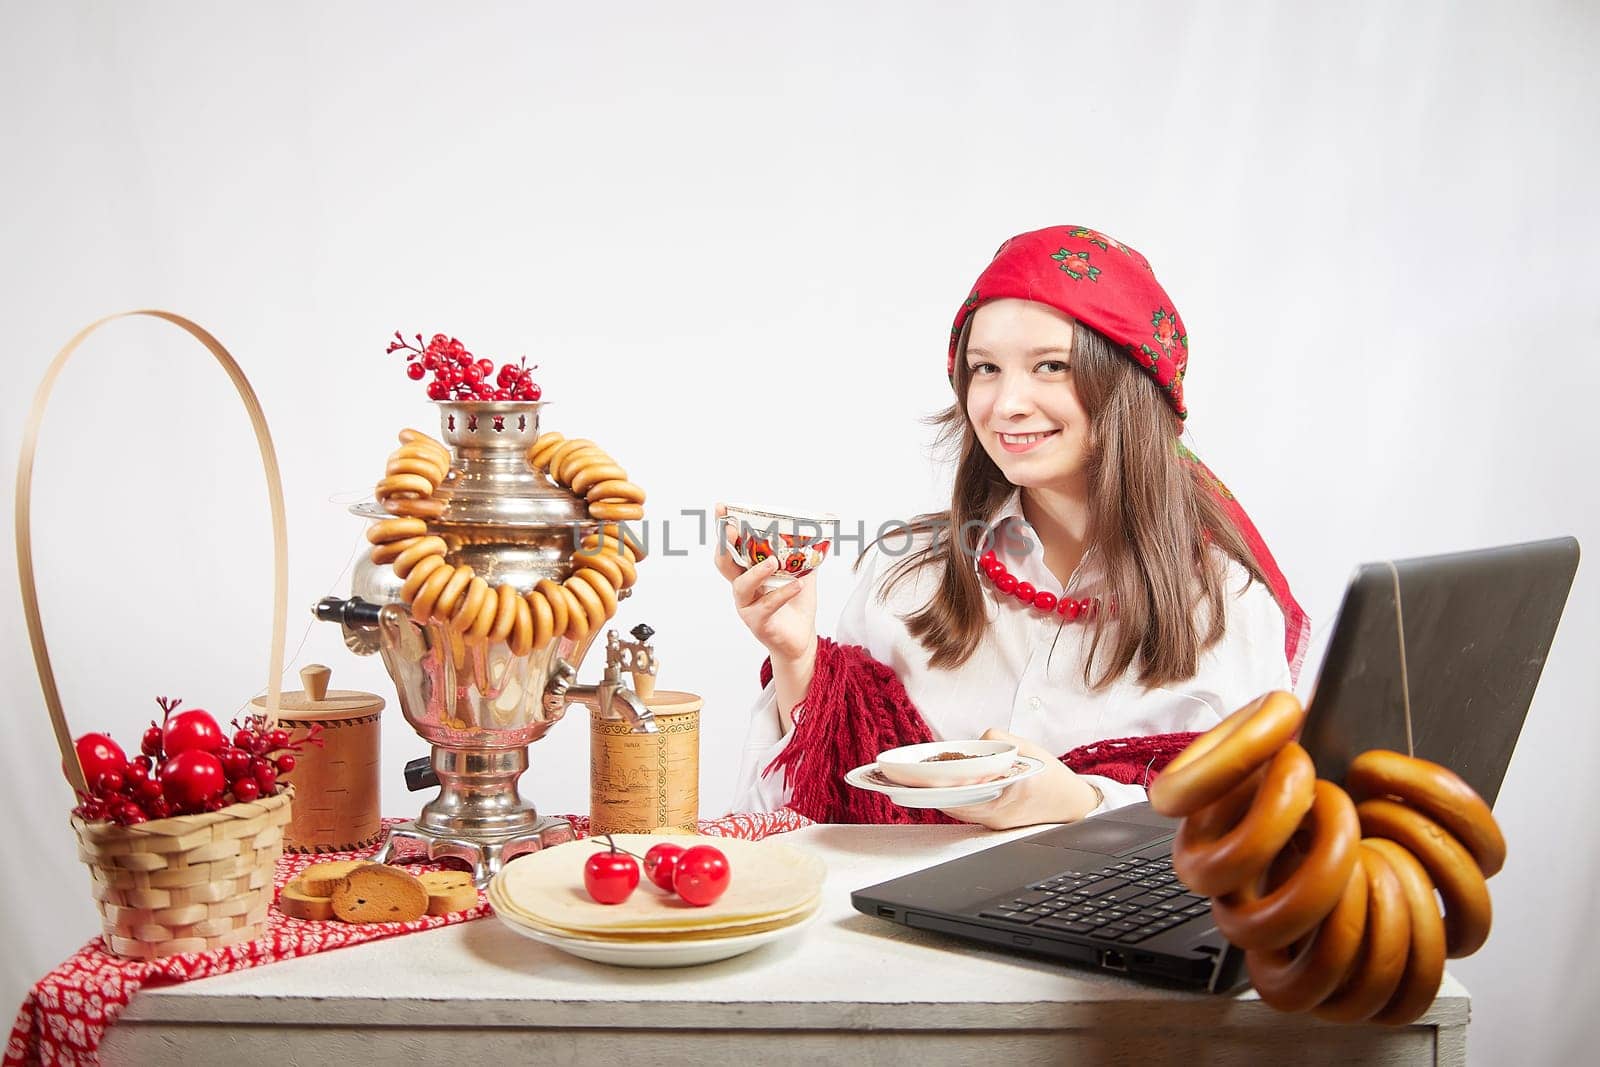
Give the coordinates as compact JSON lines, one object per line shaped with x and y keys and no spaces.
{"x":1040,"y":600}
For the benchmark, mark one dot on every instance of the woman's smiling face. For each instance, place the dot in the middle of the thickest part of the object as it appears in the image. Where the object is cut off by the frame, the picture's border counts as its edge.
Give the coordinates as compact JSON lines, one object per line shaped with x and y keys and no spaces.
{"x":1021,"y":400}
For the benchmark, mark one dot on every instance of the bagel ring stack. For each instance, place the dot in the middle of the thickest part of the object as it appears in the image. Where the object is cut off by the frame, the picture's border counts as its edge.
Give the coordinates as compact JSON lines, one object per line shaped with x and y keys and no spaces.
{"x":603,"y":566}
{"x":1331,"y":893}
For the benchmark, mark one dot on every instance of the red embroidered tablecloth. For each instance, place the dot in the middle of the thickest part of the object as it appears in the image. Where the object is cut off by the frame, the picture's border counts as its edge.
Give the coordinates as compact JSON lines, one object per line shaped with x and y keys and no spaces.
{"x":65,"y":1014}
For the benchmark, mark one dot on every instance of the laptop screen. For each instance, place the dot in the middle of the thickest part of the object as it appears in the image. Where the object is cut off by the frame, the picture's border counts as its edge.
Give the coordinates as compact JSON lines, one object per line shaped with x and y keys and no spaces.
{"x":1477,"y":628}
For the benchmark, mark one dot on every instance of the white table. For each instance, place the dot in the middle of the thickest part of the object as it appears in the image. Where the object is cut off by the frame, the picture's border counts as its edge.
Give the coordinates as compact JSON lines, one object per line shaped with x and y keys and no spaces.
{"x":848,"y":988}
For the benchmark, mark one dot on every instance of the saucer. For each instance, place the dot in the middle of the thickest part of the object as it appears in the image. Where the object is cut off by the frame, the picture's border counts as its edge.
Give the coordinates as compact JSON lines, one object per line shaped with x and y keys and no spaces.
{"x":870,"y":778}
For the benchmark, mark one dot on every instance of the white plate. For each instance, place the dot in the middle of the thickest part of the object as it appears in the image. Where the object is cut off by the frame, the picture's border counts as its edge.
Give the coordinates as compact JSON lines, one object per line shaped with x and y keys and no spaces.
{"x":867,"y":776}
{"x":657,"y":953}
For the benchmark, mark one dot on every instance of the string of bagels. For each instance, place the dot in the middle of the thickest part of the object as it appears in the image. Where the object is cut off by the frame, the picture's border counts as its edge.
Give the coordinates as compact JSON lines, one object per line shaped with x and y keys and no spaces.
{"x":603,"y":565}
{"x":1330,"y":891}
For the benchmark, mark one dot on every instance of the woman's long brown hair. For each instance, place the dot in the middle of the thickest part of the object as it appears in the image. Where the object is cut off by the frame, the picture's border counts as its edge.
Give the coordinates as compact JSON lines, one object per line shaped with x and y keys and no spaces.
{"x":1152,"y":517}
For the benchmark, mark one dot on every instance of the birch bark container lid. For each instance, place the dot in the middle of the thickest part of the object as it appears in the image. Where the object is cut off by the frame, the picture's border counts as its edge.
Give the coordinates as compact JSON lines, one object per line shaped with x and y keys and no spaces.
{"x":318,"y":703}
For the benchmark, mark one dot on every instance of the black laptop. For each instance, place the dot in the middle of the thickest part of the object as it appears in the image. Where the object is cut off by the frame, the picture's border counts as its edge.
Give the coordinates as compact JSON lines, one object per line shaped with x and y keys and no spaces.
{"x":1101,"y":892}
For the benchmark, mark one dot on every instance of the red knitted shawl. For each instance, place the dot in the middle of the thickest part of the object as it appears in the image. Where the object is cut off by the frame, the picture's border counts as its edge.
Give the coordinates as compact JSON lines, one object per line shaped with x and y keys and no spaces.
{"x":857,"y":707}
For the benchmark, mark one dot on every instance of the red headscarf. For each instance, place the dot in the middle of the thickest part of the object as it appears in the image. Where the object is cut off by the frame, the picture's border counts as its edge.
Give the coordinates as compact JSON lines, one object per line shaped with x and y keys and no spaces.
{"x":1109,"y":287}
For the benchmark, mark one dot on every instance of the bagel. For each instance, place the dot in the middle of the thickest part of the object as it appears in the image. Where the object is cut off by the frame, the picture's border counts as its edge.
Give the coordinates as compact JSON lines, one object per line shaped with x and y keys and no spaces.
{"x":419,"y":574}
{"x":539,"y":451}
{"x":420,"y":549}
{"x":603,"y":589}
{"x":385,"y":530}
{"x":1386,"y":941}
{"x":1250,"y":919}
{"x":618,"y":489}
{"x":557,"y":600}
{"x":1424,"y":969}
{"x":607,"y":510}
{"x":543,"y":619}
{"x":471,"y":607}
{"x":1295,"y":979}
{"x":521,"y":640}
{"x":1437,"y":792}
{"x":414,"y":507}
{"x":392,"y":551}
{"x":594,"y":610}
{"x":1216,"y":849}
{"x":445,"y":606}
{"x":1467,"y":910}
{"x":1224,"y":756}
{"x":505,"y":616}
{"x":428,"y":594}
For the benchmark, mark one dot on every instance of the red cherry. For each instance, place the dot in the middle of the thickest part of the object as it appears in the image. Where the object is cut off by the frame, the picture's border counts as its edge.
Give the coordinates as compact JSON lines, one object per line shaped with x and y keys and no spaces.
{"x":277,"y":739}
{"x":536,"y":393}
{"x":131,"y":813}
{"x":92,"y":810}
{"x":483,"y":391}
{"x":157,"y":808}
{"x":136,"y":773}
{"x":267,"y":779}
{"x":660,"y":863}
{"x":243,"y":739}
{"x":98,"y":754}
{"x":286,"y":763}
{"x":192,"y":731}
{"x":150,"y":744}
{"x":485,"y":367}
{"x":147,"y":789}
{"x":610,"y":877}
{"x":701,"y":875}
{"x":192,"y":778}
{"x":507,"y":377}
{"x":246,"y":790}
{"x":108,"y":783}
{"x":416,"y":371}
{"x":472,"y":374}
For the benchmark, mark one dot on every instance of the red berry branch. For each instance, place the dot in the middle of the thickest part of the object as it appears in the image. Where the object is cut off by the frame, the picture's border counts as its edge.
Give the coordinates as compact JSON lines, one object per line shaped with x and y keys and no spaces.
{"x":185,"y":765}
{"x":458,"y":375}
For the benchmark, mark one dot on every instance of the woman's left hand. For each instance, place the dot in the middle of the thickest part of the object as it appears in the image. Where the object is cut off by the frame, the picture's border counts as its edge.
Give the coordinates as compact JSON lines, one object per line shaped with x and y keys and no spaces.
{"x":1055,"y":794}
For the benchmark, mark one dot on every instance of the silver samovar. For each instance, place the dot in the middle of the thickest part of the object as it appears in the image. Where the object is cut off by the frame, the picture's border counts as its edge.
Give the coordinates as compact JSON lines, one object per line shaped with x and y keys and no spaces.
{"x":476,"y":704}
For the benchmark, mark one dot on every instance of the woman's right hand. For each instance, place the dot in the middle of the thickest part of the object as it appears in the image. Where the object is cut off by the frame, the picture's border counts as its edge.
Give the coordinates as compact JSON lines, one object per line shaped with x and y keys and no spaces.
{"x":784,"y":620}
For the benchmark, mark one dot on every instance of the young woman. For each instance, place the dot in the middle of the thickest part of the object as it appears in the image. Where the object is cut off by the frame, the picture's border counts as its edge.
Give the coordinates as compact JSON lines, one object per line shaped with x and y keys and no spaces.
{"x":1093,"y":592}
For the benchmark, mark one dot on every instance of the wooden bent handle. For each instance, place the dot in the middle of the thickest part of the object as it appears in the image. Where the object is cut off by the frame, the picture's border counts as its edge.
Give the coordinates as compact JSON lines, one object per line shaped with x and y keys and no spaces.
{"x":30,"y":596}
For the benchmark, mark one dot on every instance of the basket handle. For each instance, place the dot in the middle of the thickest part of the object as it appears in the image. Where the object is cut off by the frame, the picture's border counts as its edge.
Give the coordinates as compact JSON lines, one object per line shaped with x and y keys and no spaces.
{"x":30,"y":595}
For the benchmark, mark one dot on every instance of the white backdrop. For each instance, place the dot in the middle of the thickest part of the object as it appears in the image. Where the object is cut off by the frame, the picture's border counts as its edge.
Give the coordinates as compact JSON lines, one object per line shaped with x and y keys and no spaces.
{"x":733,"y":236}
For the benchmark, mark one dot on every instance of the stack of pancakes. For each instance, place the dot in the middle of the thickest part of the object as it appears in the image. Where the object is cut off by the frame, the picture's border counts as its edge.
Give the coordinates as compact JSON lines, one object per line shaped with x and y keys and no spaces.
{"x":772,"y":886}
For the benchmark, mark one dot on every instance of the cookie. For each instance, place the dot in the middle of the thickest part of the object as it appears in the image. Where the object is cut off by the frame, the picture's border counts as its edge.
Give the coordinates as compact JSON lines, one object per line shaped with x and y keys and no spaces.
{"x":378,"y":894}
{"x":448,"y":891}
{"x":319,"y":879}
{"x":296,"y":903}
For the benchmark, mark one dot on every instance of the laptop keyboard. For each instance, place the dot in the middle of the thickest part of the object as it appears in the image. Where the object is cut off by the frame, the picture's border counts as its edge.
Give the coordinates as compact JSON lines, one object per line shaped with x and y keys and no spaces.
{"x":1125,"y":902}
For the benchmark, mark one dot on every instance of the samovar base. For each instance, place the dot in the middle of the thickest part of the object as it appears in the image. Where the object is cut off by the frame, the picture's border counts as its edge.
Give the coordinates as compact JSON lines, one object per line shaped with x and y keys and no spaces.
{"x":410,"y":842}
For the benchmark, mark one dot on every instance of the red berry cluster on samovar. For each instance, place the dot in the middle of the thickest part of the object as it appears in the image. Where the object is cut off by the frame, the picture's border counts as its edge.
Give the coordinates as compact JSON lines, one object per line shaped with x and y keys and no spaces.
{"x":458,"y":375}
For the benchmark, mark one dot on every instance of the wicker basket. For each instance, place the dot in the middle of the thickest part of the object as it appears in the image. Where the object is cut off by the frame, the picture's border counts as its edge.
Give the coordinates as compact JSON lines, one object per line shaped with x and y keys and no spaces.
{"x":192,"y":882}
